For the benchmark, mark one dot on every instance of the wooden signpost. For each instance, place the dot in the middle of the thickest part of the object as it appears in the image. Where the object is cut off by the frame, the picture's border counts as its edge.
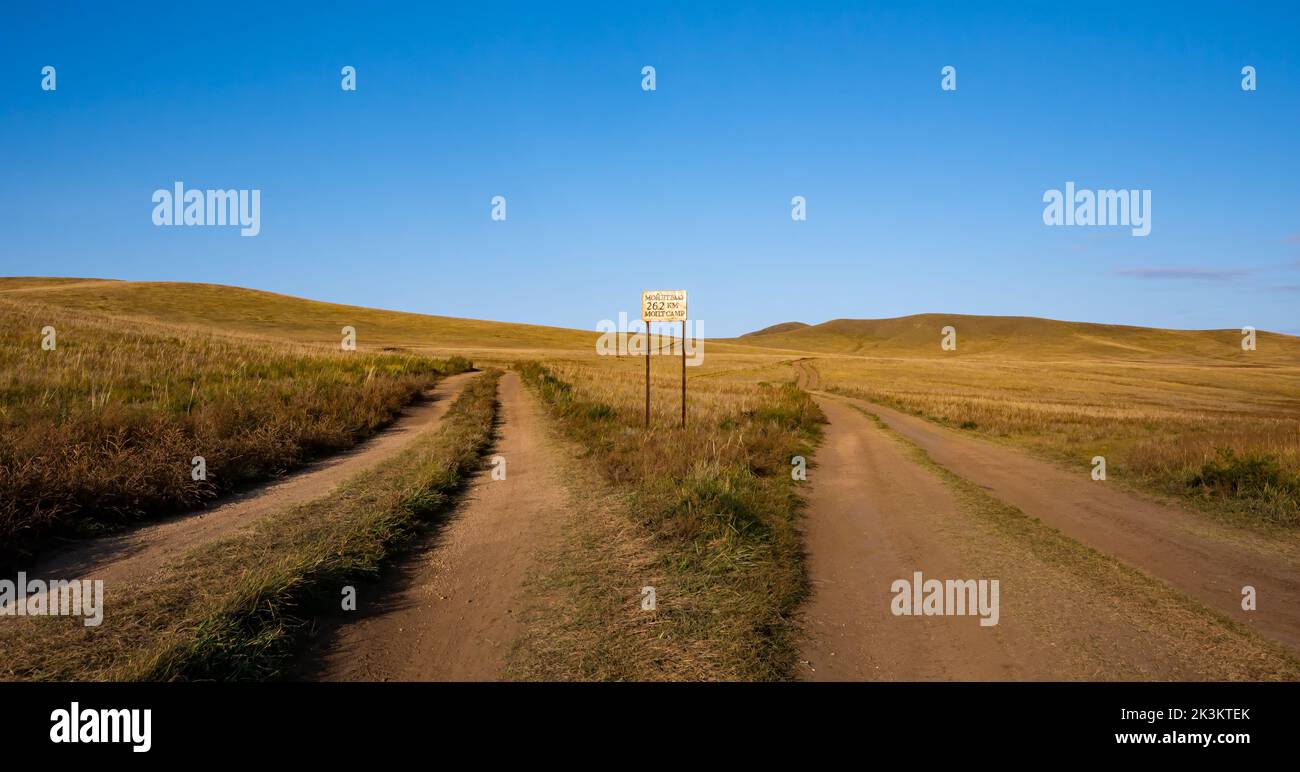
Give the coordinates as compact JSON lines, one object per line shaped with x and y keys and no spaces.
{"x":663,"y":306}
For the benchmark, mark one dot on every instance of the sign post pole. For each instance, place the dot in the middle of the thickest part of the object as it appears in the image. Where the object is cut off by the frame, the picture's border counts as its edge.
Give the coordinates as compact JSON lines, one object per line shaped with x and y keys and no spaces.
{"x":683,"y":373}
{"x":663,"y":306}
{"x":647,"y":375}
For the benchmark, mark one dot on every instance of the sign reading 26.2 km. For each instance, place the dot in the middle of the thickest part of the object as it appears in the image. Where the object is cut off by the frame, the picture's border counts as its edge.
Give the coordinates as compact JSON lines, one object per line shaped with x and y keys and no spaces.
{"x":663,"y":305}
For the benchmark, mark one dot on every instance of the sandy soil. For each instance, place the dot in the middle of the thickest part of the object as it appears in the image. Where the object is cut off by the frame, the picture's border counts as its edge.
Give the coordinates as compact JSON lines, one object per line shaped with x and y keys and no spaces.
{"x":144,"y":550}
{"x":450,"y":613}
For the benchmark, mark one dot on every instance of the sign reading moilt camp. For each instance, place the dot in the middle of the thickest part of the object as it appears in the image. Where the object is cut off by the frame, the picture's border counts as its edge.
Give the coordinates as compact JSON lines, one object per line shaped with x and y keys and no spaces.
{"x":663,"y":305}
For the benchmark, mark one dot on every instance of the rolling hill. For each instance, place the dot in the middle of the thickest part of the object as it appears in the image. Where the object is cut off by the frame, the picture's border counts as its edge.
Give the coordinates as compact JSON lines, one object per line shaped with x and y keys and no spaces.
{"x":1020,"y":337}
{"x":213,"y":307}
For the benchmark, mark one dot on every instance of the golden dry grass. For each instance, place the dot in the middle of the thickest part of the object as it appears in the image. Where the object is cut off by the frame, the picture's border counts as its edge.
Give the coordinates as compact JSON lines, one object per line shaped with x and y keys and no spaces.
{"x":710,"y":515}
{"x":235,"y":608}
{"x":1186,"y":413}
{"x":1022,"y":338}
{"x":211,"y":307}
{"x":710,"y":512}
{"x":103,"y":429}
{"x":1161,"y":426}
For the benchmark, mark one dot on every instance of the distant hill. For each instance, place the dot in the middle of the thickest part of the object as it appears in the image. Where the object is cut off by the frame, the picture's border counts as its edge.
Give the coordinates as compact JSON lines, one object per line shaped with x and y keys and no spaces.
{"x":782,"y":327}
{"x":1023,"y":337}
{"x":220,"y":308}
{"x":254,"y":312}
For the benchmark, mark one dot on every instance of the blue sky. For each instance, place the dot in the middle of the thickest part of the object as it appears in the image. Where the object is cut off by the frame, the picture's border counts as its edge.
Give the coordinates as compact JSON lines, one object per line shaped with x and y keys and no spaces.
{"x":918,"y":199}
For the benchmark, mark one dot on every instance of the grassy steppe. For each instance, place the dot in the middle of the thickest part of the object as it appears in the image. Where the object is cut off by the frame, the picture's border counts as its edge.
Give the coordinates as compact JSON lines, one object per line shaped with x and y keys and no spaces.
{"x":103,"y":429}
{"x":1177,"y":412}
{"x":213,"y":307}
{"x":1022,"y":338}
{"x":1182,"y":413}
{"x":234,"y":609}
{"x":707,"y":515}
{"x":1224,"y":438}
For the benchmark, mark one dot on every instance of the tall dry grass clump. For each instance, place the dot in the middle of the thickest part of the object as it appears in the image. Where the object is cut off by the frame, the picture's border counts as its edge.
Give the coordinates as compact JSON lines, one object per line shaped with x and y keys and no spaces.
{"x":716,"y":500}
{"x":104,"y":428}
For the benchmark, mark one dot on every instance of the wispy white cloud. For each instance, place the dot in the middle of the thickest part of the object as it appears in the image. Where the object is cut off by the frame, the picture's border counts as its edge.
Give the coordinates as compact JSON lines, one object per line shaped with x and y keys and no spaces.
{"x":1185,"y":273}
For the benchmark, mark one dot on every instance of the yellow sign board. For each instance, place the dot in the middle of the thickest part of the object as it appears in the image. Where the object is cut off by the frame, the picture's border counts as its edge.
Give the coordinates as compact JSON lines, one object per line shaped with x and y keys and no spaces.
{"x":663,"y":305}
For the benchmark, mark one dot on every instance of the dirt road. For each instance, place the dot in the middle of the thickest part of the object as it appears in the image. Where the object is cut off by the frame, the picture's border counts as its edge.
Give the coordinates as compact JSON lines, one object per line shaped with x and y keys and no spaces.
{"x":144,"y":550}
{"x":1208,"y":561}
{"x":857,"y":514}
{"x":806,"y":375}
{"x":877,"y":514}
{"x":450,"y":614}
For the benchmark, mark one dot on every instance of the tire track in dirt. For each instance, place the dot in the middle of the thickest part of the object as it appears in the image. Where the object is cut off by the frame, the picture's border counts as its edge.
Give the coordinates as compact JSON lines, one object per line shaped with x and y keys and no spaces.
{"x":874,"y":517}
{"x":1209,"y":561}
{"x":147,"y":549}
{"x":878,"y":512}
{"x":451,"y":613}
{"x":806,"y":375}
